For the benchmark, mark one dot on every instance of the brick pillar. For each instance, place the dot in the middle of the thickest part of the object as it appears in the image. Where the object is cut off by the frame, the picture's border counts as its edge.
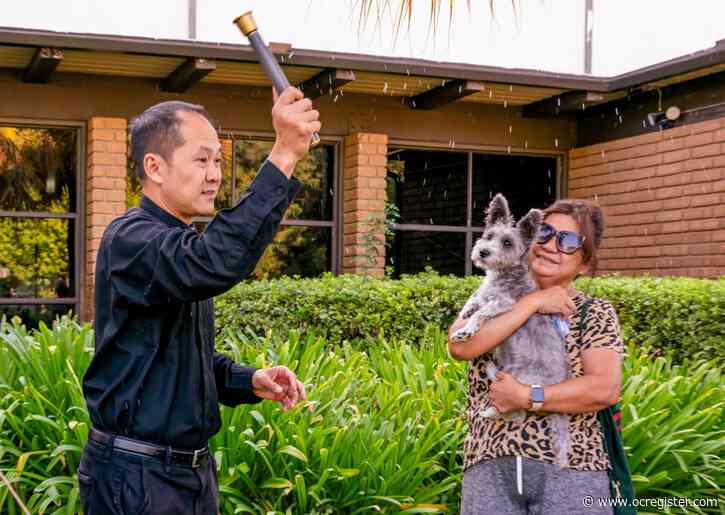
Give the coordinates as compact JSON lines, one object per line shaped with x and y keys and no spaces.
{"x":364,"y":202}
{"x":105,"y":190}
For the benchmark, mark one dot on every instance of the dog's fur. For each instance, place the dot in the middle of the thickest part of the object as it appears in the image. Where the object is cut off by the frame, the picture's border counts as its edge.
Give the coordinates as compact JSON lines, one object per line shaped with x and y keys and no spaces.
{"x":535,"y":353}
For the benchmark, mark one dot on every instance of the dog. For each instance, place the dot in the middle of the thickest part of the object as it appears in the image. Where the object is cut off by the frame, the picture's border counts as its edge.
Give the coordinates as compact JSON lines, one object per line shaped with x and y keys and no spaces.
{"x":535,"y":353}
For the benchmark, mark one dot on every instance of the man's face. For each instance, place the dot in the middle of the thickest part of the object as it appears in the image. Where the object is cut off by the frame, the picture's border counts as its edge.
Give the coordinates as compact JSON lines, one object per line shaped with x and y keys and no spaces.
{"x":191,"y":178}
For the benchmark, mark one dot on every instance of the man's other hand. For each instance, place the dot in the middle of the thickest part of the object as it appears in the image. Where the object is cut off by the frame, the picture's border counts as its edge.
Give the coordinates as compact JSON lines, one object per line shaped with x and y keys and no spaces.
{"x":294,"y":123}
{"x":278,"y":384}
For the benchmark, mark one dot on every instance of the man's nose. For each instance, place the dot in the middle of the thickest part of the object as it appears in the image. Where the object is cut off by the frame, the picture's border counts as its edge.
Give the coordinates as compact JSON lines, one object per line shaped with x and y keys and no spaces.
{"x":214,"y":173}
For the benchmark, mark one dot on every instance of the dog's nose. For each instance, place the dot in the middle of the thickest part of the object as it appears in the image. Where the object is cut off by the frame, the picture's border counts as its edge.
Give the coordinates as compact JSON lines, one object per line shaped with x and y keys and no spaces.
{"x":484,"y":254}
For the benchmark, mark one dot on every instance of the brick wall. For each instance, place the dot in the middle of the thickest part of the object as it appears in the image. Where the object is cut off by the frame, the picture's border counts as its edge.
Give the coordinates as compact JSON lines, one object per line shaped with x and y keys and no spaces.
{"x":663,"y":195}
{"x":364,"y":200}
{"x":105,"y":189}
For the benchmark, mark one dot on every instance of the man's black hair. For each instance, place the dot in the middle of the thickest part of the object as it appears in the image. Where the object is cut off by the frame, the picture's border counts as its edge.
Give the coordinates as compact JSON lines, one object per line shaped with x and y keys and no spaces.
{"x":156,"y":131}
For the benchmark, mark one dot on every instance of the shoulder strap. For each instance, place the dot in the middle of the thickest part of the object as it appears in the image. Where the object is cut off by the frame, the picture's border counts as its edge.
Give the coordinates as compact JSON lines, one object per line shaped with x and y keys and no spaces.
{"x":583,"y":312}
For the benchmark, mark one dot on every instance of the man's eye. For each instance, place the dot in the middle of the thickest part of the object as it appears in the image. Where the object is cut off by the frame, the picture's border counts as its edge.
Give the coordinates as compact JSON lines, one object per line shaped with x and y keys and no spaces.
{"x":218,"y":162}
{"x":202,"y":159}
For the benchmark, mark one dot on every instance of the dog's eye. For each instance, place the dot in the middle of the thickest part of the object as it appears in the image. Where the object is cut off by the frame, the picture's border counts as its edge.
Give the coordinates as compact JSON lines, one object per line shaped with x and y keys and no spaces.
{"x":489,"y":237}
{"x":506,"y":243}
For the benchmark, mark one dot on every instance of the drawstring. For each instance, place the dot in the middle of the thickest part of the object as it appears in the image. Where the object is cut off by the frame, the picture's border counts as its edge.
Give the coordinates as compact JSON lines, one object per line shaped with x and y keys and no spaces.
{"x":519,"y":476}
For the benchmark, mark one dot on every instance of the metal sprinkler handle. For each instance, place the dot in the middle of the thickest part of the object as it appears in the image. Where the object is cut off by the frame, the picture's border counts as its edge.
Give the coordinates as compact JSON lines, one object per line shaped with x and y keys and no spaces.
{"x":248,"y":27}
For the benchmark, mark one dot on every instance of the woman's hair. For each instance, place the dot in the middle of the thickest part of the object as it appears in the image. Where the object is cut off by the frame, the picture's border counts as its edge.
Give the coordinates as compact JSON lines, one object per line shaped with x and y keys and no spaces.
{"x":589,"y":216}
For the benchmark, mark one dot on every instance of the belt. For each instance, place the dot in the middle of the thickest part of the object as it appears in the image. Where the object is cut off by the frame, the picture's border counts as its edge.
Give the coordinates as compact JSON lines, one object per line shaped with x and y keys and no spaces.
{"x":193,"y":459}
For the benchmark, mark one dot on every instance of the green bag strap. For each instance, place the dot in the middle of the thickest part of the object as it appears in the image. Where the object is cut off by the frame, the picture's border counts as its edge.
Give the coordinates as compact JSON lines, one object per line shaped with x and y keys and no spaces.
{"x":620,"y":478}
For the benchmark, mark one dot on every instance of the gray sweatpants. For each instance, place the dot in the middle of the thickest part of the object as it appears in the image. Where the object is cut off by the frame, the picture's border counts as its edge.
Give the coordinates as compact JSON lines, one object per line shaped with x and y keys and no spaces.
{"x":492,"y":486}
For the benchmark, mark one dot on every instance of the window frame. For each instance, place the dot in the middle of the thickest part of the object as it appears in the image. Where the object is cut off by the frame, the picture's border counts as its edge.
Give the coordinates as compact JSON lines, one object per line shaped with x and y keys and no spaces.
{"x":471,"y":150}
{"x":77,"y":215}
{"x":334,"y":225}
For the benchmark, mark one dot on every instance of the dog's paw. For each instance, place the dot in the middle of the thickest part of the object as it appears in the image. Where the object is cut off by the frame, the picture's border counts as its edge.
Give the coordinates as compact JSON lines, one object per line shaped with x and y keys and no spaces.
{"x":468,"y":313}
{"x":461,"y":335}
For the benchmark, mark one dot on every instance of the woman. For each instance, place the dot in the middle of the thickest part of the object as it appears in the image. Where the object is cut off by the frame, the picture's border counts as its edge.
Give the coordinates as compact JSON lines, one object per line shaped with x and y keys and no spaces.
{"x":510,"y":466}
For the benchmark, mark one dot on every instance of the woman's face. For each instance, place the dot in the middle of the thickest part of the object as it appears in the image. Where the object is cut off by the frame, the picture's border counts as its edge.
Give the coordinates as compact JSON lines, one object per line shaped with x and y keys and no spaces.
{"x":548,"y":264}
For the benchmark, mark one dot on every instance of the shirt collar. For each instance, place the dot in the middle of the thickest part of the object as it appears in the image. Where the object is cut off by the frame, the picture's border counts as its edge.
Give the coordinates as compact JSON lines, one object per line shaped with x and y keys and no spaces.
{"x":148,"y":205}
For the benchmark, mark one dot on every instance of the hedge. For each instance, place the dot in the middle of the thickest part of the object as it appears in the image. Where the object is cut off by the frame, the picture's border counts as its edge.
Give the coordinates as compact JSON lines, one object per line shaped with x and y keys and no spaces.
{"x":680,"y":316}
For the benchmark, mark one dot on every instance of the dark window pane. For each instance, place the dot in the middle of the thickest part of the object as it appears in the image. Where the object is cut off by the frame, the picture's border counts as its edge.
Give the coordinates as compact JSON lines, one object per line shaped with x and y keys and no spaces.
{"x":303,"y":251}
{"x":38,"y":169}
{"x":429,"y":187}
{"x":36,"y":258}
{"x":32,"y":314}
{"x":474,"y":269}
{"x":525,"y":181}
{"x":413,"y":251}
{"x":315,"y":171}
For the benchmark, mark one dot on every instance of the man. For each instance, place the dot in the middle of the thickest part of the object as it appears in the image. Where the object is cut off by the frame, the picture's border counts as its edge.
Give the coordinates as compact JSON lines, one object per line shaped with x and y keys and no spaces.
{"x":155,"y":381}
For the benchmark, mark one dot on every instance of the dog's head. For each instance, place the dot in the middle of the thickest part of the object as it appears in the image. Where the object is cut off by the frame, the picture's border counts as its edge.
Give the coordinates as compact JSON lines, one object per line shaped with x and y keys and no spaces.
{"x":502,"y":243}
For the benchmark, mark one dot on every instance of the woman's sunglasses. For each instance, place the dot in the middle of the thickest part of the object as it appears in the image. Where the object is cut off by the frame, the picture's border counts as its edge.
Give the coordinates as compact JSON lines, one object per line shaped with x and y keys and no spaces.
{"x":567,"y":242}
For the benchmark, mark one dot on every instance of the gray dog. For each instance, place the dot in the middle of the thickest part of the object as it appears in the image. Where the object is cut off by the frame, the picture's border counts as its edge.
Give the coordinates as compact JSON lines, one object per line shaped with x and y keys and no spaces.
{"x":535,"y":353}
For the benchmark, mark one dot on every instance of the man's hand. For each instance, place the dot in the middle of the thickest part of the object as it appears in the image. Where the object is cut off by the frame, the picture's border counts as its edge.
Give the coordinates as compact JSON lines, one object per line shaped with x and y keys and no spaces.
{"x":278,"y":384}
{"x":294,"y":123}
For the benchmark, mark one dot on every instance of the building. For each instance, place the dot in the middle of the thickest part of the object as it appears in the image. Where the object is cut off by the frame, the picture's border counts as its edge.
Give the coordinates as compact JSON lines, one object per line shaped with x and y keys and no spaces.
{"x":436,"y":140}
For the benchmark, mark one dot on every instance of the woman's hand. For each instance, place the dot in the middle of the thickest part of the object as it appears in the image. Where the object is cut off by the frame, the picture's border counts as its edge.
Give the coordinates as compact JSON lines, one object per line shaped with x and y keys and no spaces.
{"x":507,"y":394}
{"x":552,"y":301}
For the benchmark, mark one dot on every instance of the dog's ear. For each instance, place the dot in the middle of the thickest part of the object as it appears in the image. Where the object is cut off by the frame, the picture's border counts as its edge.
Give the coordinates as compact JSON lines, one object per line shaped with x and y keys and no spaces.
{"x":529,"y":225}
{"x":498,"y":211}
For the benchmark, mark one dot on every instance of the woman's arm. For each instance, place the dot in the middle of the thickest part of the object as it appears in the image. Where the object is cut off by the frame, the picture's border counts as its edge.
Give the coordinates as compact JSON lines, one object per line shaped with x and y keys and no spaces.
{"x":497,"y":329}
{"x":597,"y":389}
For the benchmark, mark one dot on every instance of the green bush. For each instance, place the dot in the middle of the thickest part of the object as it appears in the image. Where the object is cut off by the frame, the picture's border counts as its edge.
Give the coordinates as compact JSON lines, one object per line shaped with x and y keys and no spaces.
{"x":385,"y":434}
{"x":346,"y":307}
{"x":685,"y":317}
{"x":681,"y":316}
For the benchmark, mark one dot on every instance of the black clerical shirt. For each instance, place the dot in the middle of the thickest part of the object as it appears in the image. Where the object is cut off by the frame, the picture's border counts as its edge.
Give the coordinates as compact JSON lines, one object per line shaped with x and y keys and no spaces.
{"x":155,"y":375}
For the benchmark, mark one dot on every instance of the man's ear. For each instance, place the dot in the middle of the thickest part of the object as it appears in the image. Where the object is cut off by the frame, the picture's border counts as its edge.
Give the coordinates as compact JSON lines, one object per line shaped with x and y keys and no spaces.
{"x":498,"y":211}
{"x":154,"y":167}
{"x":529,"y":225}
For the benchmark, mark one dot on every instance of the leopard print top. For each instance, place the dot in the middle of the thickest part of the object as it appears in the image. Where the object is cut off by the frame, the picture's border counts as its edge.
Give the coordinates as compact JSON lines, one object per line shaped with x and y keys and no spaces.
{"x":494,"y":437}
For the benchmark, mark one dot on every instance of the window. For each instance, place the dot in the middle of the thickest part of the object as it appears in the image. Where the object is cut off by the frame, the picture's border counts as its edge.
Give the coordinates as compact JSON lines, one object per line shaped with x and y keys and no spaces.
{"x":40,"y":242}
{"x":441,"y":197}
{"x":306,"y":241}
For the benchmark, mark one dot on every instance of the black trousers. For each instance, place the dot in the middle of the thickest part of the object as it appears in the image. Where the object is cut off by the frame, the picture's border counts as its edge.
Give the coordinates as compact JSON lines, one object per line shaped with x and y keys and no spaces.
{"x":116,"y":482}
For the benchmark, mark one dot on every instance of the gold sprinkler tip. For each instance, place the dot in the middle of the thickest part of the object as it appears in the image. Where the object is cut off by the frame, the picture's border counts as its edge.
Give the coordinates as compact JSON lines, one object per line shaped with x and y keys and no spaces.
{"x":246,"y":23}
